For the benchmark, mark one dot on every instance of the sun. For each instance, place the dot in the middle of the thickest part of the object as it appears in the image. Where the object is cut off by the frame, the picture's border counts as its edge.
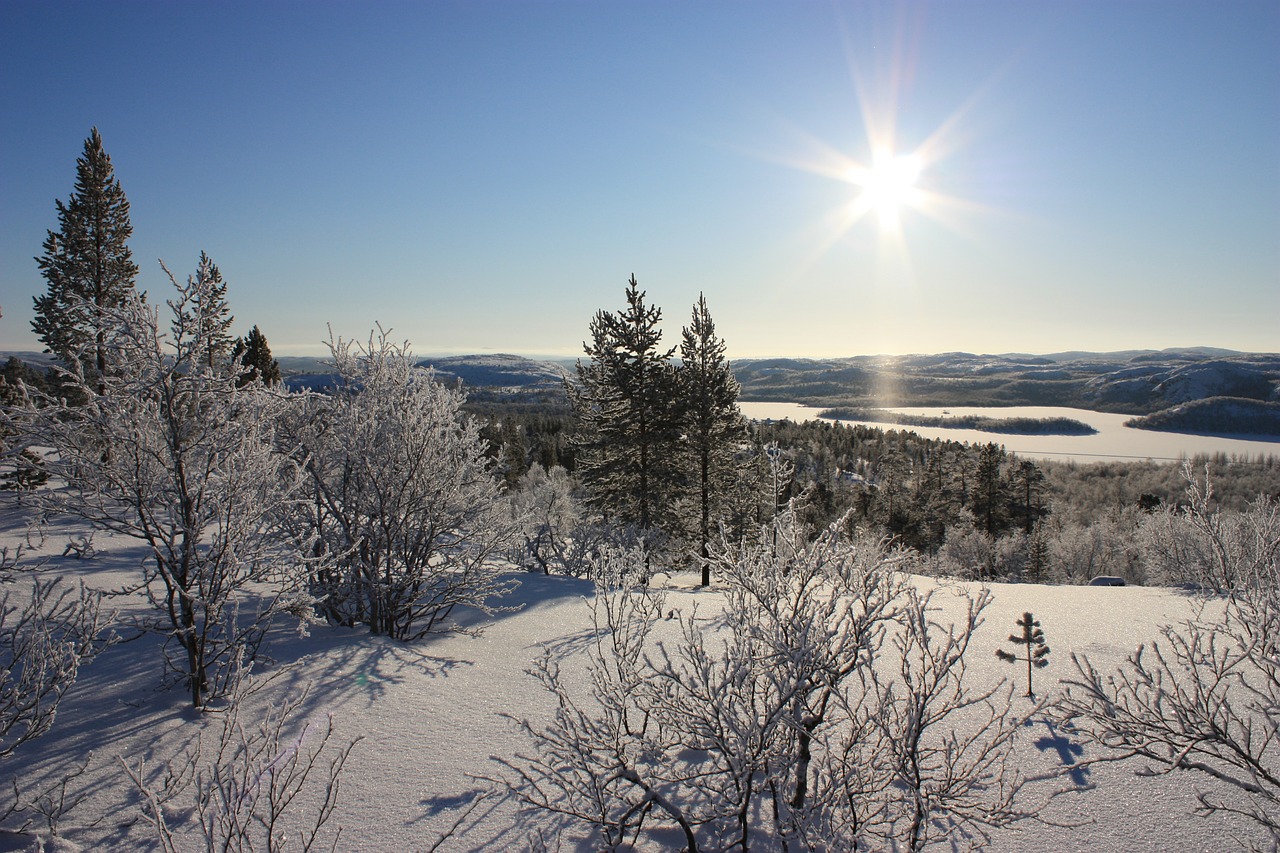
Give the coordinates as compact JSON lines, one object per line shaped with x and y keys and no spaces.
{"x":888,"y":185}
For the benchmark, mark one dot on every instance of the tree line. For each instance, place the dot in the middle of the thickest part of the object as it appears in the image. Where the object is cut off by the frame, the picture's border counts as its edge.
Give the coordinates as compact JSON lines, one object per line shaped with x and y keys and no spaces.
{"x":89,"y":272}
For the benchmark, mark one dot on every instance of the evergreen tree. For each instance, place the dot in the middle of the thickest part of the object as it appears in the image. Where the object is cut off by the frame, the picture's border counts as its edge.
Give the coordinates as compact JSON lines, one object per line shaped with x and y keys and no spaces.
{"x":625,"y":403}
{"x":989,"y":490}
{"x":214,"y":315}
{"x":1026,"y":482}
{"x":713,"y":424}
{"x":87,"y":264}
{"x":255,"y":356}
{"x":1032,"y":639}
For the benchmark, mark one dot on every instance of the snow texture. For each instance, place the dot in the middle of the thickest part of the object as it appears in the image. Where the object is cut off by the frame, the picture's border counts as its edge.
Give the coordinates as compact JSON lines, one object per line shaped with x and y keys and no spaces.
{"x":429,"y":714}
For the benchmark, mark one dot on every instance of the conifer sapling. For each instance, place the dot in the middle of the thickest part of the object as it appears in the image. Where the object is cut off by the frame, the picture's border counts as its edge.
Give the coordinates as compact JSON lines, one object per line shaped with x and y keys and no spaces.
{"x":1037,"y":652}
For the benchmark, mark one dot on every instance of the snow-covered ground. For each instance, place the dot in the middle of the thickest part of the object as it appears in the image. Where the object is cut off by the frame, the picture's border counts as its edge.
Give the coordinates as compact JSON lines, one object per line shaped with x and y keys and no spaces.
{"x":428,"y":714}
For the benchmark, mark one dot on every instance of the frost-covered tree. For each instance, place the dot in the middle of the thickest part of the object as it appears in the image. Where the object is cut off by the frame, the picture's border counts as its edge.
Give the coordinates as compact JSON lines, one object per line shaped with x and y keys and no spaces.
{"x":403,"y":496}
{"x":549,"y":515}
{"x":1204,"y":698}
{"x":255,"y":358}
{"x":88,"y":266}
{"x":1197,"y":545}
{"x":625,"y":401}
{"x":176,"y":455}
{"x":213,"y":312}
{"x":713,"y":425}
{"x":788,"y":726}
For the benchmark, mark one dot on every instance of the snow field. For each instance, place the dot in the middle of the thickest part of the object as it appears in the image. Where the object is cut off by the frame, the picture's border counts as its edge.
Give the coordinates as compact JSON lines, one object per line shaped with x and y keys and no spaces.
{"x":428,"y":712}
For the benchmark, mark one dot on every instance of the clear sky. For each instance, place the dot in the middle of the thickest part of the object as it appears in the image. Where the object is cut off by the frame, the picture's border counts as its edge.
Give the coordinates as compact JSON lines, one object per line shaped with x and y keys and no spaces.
{"x":483,"y":176}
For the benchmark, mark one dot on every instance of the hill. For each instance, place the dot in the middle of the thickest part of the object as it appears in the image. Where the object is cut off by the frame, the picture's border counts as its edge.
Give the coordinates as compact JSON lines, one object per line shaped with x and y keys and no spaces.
{"x":1216,"y":416}
{"x":1133,"y":382}
{"x":497,"y":371}
{"x":429,"y":714}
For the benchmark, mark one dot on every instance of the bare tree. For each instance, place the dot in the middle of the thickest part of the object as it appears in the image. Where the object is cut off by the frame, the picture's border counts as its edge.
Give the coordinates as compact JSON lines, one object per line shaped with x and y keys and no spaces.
{"x":1204,"y":699}
{"x":403,"y":496}
{"x":790,"y":726}
{"x":172,"y":453}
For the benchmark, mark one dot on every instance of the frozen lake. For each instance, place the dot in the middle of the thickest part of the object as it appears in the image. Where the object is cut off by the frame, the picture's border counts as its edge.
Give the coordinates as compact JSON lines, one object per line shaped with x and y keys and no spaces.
{"x":1113,"y":439}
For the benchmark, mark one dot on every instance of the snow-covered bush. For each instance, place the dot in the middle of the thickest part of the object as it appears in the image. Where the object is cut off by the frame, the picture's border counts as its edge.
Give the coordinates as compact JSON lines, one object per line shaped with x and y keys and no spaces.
{"x":824,"y":709}
{"x":403,"y":499}
{"x":1214,"y":550}
{"x":1205,"y":697}
{"x":973,"y":554}
{"x":45,"y":637}
{"x":251,"y":787}
{"x":169,"y":451}
{"x":548,"y":512}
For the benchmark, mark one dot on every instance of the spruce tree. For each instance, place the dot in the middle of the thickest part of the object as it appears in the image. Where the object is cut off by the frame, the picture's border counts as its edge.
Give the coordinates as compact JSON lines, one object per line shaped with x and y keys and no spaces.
{"x":255,"y":356}
{"x":214,"y":315}
{"x":87,"y":265}
{"x":625,"y":402}
{"x":1032,"y":639}
{"x":713,"y":424}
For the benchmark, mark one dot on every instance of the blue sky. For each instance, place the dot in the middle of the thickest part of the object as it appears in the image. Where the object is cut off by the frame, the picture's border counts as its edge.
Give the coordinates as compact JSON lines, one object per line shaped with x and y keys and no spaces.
{"x":484,"y":176}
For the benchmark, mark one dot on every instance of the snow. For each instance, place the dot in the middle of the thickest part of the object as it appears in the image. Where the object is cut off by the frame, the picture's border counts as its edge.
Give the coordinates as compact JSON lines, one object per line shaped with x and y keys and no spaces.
{"x":428,"y":713}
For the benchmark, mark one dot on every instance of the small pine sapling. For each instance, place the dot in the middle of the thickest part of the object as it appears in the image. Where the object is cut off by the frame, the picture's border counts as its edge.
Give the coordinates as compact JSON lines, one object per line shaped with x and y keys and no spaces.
{"x":1037,"y":652}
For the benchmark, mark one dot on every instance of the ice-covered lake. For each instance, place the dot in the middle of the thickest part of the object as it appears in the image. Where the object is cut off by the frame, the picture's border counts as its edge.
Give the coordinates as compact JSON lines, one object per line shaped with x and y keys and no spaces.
{"x":1113,"y":440}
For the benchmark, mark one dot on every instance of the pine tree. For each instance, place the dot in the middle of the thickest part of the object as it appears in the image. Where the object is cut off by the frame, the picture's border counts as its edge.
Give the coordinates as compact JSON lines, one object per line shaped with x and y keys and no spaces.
{"x":990,"y":490}
{"x":214,"y":315}
{"x":1033,"y":639}
{"x":255,"y":356}
{"x":87,"y":264}
{"x":713,"y":424}
{"x":625,"y":403}
{"x":1026,"y":487}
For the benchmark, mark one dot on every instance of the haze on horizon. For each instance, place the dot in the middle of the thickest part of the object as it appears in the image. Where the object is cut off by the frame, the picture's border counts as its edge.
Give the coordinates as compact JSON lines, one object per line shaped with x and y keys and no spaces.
{"x":837,"y":178}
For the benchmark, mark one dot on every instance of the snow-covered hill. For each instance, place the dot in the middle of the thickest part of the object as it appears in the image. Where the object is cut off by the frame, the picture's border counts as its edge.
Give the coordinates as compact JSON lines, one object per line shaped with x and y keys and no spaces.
{"x":428,"y":714}
{"x":1138,"y":382}
{"x":497,"y":371}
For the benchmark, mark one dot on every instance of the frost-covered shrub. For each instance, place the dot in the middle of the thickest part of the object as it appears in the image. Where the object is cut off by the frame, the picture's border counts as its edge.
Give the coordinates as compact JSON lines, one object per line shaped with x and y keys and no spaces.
{"x":1107,"y":546}
{"x":548,"y":510}
{"x":253,"y":785}
{"x":974,"y":555}
{"x":45,"y":637}
{"x":1197,"y":545}
{"x":825,"y":709}
{"x":403,"y":499}
{"x":1204,"y":697}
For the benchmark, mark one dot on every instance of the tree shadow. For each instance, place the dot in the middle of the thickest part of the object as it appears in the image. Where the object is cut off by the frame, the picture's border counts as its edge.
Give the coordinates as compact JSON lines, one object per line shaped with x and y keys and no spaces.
{"x":1069,"y":752}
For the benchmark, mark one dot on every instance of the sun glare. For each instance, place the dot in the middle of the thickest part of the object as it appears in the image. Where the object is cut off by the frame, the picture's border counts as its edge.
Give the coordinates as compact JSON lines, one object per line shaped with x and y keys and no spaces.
{"x":897,"y":173}
{"x":888,"y":185}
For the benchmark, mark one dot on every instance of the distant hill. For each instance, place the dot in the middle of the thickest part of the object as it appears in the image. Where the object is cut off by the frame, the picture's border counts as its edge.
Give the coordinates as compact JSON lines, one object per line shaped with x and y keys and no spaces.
{"x":1136,"y":382}
{"x":1133,"y":382}
{"x":473,"y":371}
{"x":497,"y":371}
{"x":1217,"y":416}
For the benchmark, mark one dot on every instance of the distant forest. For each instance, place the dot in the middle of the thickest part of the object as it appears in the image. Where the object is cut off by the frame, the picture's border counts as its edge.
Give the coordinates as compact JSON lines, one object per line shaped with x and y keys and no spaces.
{"x":930,"y":494}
